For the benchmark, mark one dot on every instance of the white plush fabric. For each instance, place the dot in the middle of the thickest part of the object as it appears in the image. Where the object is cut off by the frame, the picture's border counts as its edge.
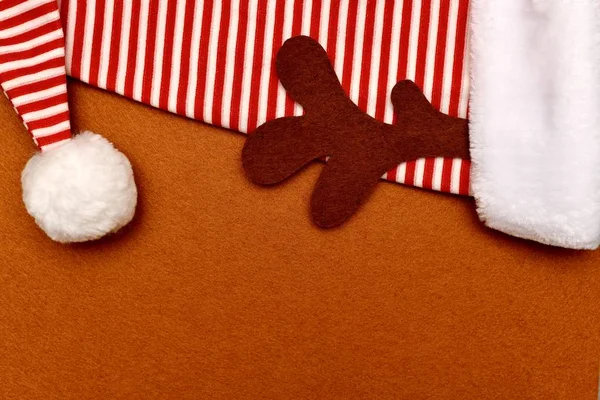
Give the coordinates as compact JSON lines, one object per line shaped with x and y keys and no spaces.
{"x":535,"y":118}
{"x":80,"y":190}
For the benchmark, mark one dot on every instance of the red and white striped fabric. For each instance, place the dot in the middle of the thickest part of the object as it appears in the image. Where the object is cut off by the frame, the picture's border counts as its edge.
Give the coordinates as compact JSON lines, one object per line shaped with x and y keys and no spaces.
{"x":213,"y":60}
{"x":32,"y":68}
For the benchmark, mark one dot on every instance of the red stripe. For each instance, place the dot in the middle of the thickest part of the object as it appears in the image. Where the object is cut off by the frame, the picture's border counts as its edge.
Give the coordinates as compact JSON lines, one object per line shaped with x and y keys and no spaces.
{"x":296,"y":29}
{"x":349,"y":47}
{"x":446,"y":175}
{"x":49,"y":121}
{"x":256,"y":68}
{"x":404,"y":43}
{"x":132,"y":50}
{"x":39,"y":67}
{"x":97,"y":42}
{"x":78,"y":39}
{"x":297,"y":19}
{"x":31,"y":34}
{"x":36,"y":86}
{"x":459,"y":53}
{"x":115,"y":45}
{"x":6,"y":4}
{"x":315,"y":19}
{"x":185,"y":56}
{"x":151,"y":33}
{"x":42,"y":104}
{"x":440,"y":55}
{"x":409,"y":177}
{"x":238,"y":70}
{"x":277,"y":41}
{"x":385,"y":60}
{"x":423,"y":42}
{"x":334,"y":15}
{"x":165,"y":83}
{"x":465,"y":177}
{"x":221,"y":61}
{"x":365,"y":72}
{"x":54,"y":138}
{"x":20,"y":55}
{"x":392,"y":174}
{"x":203,"y":58}
{"x":27,"y":16}
{"x":428,"y":173}
{"x":64,"y":13}
{"x":404,"y":39}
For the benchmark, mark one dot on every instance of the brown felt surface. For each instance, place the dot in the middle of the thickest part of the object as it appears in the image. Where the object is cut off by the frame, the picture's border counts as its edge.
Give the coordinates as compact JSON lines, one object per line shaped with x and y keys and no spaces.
{"x":361,"y":149}
{"x":225,"y":290}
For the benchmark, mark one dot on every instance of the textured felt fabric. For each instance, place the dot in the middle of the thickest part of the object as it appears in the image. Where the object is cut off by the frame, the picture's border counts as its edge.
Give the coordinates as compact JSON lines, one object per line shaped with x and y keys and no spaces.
{"x":360,"y":148}
{"x":222,"y":289}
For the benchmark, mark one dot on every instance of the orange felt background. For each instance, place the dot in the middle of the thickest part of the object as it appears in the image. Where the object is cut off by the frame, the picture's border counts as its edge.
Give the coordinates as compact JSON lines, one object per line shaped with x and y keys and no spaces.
{"x":224,"y":290}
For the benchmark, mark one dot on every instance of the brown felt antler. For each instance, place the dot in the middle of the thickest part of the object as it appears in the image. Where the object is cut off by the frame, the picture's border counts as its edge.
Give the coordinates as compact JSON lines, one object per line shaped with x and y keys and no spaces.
{"x":361,"y":149}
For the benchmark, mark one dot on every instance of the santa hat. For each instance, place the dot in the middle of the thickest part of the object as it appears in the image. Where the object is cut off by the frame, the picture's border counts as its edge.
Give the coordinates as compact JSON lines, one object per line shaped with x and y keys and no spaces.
{"x":78,"y":188}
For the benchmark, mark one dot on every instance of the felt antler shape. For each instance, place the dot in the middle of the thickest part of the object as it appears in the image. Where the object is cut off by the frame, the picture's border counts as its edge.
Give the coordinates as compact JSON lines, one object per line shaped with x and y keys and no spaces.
{"x":361,"y":149}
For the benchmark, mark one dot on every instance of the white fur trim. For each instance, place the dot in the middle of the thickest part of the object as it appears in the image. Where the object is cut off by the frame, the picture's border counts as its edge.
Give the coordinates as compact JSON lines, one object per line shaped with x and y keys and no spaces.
{"x":80,"y":190}
{"x":535,"y":118}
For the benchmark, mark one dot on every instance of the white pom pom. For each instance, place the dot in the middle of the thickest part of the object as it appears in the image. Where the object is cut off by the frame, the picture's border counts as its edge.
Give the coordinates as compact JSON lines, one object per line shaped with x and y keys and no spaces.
{"x":81,"y":190}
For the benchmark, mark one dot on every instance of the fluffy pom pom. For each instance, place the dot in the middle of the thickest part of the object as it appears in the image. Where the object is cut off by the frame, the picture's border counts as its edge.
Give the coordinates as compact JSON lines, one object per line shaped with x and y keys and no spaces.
{"x":80,"y":190}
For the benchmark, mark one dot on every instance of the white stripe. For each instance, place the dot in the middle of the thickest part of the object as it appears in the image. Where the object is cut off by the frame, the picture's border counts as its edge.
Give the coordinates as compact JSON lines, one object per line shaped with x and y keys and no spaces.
{"x":306,"y":14}
{"x":123,"y":47}
{"x":22,"y":8}
{"x":393,"y":65}
{"x":288,"y":16}
{"x":70,"y":33}
{"x":419,"y":172}
{"x":40,"y":95}
{"x":47,"y":112}
{"x":226,"y":105}
{"x":465,"y":81}
{"x":194,"y":56}
{"x":401,"y":173}
{"x":455,"y":176}
{"x":159,"y":50}
{"x":438,"y":168}
{"x":304,"y":30}
{"x":263,"y":94}
{"x":30,"y":44}
{"x":324,"y":23}
{"x":177,"y":49}
{"x":413,"y":47}
{"x":340,"y":47}
{"x":449,"y":58}
{"x":51,"y":130}
{"x":30,"y":78}
{"x":29,"y":25}
{"x":29,"y":62}
{"x":106,"y":41}
{"x":51,"y":145}
{"x":88,"y":38}
{"x":248,"y":60}
{"x":372,"y":89}
{"x":434,"y":20}
{"x":211,"y":69}
{"x":140,"y":60}
{"x":359,"y":38}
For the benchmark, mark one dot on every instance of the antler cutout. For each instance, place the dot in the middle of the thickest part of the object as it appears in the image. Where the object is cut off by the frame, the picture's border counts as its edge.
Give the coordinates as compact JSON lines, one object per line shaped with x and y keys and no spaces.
{"x":361,"y":149}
